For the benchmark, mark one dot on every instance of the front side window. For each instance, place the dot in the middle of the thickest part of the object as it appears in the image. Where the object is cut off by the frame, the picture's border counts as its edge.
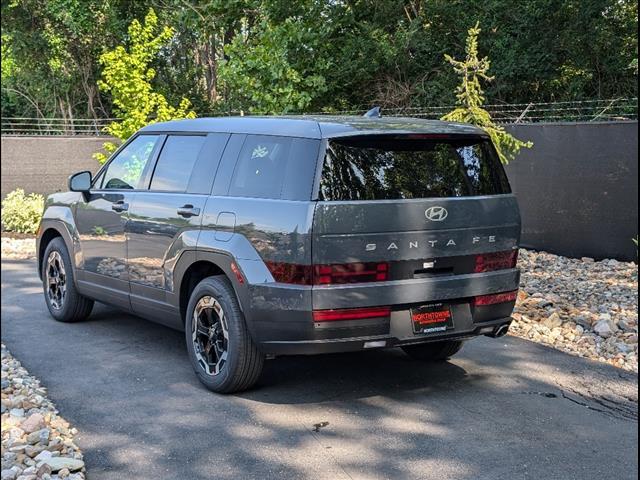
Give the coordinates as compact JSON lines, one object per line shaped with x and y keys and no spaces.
{"x":392,"y":167}
{"x":176,"y":161}
{"x":126,"y":170}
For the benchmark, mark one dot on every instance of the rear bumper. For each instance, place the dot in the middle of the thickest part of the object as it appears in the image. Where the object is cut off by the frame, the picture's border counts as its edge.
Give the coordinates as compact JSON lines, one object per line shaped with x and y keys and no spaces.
{"x":357,"y":343}
{"x":281,"y":320}
{"x":416,"y":290}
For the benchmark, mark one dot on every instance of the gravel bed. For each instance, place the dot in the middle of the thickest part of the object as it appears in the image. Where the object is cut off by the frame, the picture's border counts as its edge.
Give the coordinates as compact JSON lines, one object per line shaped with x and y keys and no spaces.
{"x":18,"y":248}
{"x":36,"y":442}
{"x":579,"y":306}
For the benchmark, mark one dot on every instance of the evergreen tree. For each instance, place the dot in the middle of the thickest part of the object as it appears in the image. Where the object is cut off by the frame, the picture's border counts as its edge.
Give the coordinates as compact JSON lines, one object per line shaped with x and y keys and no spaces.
{"x":470,"y":98}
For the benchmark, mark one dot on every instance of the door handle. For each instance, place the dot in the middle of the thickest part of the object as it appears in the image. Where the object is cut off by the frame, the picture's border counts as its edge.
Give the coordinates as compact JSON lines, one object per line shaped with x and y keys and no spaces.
{"x":120,"y":206}
{"x":188,"y":211}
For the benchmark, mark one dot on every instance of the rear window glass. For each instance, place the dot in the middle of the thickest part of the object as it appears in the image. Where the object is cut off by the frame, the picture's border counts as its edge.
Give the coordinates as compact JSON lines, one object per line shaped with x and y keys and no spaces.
{"x":275,"y":167}
{"x":389,"y":168}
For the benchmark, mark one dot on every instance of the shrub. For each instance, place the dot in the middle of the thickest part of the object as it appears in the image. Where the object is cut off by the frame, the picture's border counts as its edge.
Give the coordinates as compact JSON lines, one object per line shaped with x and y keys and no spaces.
{"x":21,"y":213}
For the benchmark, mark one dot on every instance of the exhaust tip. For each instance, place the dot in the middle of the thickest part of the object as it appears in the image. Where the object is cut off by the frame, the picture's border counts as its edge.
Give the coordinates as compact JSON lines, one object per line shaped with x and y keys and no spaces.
{"x":499,"y":331}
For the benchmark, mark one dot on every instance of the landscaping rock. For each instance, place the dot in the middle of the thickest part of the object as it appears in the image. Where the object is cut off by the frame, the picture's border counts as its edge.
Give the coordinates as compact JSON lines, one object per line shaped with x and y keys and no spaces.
{"x":67,"y":463}
{"x":33,"y":423}
{"x":33,"y":439}
{"x":582,"y":307}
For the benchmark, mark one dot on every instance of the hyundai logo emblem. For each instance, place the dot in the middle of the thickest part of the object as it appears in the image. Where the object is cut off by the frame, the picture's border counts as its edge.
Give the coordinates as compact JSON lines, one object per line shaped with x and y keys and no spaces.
{"x":436,"y":214}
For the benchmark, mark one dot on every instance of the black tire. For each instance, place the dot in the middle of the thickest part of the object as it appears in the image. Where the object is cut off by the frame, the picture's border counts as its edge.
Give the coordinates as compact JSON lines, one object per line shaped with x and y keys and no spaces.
{"x":433,"y":352}
{"x":243,"y":363}
{"x":72,"y":307}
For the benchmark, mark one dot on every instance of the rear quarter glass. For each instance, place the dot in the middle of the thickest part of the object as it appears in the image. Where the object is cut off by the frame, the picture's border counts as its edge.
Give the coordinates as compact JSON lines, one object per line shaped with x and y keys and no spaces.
{"x":275,"y":167}
{"x":393,"y":167}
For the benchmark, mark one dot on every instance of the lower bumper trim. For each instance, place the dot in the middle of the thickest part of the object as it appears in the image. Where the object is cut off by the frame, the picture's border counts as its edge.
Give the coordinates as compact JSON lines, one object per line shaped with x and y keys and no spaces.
{"x":353,"y":344}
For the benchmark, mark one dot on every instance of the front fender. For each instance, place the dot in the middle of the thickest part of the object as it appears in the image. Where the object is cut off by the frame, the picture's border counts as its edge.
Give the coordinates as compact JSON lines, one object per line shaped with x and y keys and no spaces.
{"x":60,"y":219}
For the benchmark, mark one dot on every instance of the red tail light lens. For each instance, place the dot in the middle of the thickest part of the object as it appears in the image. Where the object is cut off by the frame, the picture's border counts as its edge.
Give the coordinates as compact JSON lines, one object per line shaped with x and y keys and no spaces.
{"x":488,"y":262}
{"x":494,"y":299}
{"x":350,"y":273}
{"x":291,"y":273}
{"x":329,"y":274}
{"x":350,"y":314}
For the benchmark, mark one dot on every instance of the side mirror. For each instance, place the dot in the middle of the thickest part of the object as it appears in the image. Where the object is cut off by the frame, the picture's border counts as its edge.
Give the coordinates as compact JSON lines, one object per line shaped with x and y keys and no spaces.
{"x":80,"y":182}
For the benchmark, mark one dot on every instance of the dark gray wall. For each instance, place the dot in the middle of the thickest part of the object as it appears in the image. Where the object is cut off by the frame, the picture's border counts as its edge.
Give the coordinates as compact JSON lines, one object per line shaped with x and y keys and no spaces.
{"x":578,"y":188}
{"x":42,"y":164}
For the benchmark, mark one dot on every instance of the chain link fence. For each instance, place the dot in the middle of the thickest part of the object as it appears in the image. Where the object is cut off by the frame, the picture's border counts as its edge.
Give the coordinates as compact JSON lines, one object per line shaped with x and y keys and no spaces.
{"x":614,"y":109}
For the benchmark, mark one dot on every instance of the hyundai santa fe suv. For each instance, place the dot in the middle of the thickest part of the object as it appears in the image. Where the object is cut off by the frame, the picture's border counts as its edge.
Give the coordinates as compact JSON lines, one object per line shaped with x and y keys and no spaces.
{"x":275,"y":236}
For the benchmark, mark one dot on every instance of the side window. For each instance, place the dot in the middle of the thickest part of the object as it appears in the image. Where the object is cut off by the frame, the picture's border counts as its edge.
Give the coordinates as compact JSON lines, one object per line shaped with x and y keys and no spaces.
{"x":260,"y":168}
{"x":126,"y":170}
{"x":176,"y":161}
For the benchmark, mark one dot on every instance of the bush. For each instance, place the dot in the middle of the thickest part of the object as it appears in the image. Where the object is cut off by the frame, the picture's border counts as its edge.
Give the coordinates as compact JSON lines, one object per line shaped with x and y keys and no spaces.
{"x":21,"y":213}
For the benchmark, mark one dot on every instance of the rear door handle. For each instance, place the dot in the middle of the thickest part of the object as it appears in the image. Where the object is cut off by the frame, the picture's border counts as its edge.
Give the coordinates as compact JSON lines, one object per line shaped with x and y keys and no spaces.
{"x":188,"y":211}
{"x":120,"y":206}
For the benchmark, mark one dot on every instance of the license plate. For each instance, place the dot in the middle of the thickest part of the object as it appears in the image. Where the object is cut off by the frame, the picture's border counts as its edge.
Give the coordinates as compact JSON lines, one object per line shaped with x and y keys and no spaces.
{"x":431,"y":318}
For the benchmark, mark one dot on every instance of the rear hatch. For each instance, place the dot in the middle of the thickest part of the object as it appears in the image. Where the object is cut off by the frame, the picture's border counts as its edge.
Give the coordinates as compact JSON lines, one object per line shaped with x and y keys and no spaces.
{"x":403,"y":207}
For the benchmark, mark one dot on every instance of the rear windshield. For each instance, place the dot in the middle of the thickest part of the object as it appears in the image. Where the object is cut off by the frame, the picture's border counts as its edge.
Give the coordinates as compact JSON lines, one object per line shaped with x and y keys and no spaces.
{"x":389,"y":168}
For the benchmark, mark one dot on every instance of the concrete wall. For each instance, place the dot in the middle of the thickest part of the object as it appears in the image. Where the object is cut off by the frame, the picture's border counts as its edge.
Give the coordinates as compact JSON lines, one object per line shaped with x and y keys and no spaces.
{"x":43,"y":164}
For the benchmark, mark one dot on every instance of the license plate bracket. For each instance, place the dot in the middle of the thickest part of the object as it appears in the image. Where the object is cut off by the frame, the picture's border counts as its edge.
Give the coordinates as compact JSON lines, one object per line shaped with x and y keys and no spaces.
{"x":432,"y":318}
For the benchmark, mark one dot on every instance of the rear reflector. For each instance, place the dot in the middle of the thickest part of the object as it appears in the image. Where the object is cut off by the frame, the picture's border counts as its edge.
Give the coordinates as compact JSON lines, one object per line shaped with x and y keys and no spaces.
{"x":237,"y":272}
{"x":350,"y":314}
{"x":329,"y":274}
{"x":494,"y":299}
{"x":488,"y":262}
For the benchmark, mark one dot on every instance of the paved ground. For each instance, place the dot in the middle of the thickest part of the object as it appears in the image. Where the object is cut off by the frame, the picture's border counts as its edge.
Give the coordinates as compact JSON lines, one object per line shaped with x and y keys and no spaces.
{"x":502,"y":409}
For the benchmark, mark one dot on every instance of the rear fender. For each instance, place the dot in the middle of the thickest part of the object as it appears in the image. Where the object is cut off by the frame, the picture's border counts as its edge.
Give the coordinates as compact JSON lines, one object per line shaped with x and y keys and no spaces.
{"x":222,"y":254}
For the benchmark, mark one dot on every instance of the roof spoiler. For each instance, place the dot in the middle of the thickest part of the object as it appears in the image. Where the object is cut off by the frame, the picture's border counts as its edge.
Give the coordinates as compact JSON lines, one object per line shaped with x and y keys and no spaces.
{"x":373,"y":113}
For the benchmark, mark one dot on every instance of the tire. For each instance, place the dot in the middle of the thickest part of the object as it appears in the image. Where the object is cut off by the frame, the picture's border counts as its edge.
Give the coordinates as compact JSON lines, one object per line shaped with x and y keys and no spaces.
{"x":433,"y":352}
{"x":237,"y":362}
{"x":63,"y":300}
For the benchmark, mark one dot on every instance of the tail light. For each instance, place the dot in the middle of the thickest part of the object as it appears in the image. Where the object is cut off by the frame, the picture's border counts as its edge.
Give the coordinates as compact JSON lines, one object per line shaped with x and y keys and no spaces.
{"x":495,"y":298}
{"x":350,"y":273}
{"x":488,"y":262}
{"x":329,"y":274}
{"x":291,"y":273}
{"x":350,"y":314}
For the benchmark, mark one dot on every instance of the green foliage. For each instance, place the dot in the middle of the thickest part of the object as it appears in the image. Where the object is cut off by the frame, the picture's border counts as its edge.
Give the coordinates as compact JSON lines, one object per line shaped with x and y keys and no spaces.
{"x":470,"y":98}
{"x":21,"y":213}
{"x":314,"y":55}
{"x":127,"y":76}
{"x":259,"y":75}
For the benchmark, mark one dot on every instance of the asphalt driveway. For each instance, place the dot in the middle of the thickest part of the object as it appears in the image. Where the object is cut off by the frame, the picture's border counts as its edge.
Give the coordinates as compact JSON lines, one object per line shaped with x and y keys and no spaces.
{"x":501,"y":409}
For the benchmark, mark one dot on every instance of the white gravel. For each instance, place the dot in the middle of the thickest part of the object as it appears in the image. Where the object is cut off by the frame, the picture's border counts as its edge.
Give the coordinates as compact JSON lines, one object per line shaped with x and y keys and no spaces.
{"x":18,"y":248}
{"x":36,"y":442}
{"x":579,"y":306}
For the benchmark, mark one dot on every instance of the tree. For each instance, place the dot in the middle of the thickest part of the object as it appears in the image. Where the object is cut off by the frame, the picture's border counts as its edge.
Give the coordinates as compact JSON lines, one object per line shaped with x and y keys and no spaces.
{"x":55,"y":45}
{"x":470,"y":99}
{"x":127,"y":76}
{"x":260,"y":74}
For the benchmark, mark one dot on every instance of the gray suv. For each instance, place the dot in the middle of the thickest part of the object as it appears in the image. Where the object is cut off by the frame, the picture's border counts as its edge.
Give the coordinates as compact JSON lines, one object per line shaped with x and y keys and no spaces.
{"x":281,"y":236}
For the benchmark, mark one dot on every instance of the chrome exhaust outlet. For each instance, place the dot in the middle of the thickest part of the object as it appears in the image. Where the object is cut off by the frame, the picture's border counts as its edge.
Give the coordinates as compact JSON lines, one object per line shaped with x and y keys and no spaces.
{"x":500,"y":331}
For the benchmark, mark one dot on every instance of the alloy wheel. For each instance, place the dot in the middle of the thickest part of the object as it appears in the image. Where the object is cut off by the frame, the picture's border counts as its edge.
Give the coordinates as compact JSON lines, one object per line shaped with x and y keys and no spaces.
{"x":56,"y":278}
{"x":210,"y":335}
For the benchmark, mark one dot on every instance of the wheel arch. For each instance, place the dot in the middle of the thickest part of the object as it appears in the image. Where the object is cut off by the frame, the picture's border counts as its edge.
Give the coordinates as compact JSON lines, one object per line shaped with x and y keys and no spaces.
{"x":193,"y":267}
{"x":51,"y":229}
